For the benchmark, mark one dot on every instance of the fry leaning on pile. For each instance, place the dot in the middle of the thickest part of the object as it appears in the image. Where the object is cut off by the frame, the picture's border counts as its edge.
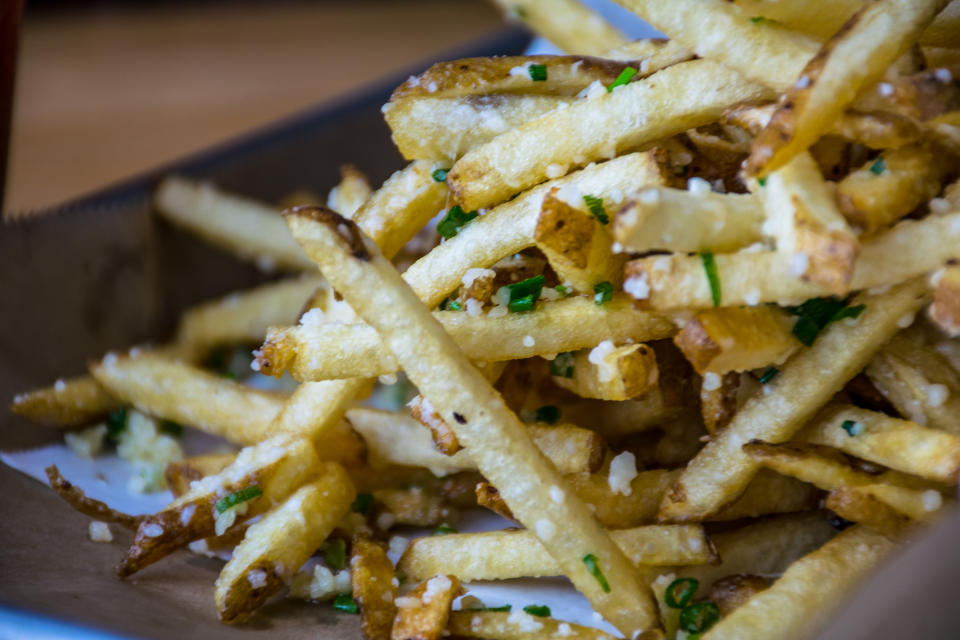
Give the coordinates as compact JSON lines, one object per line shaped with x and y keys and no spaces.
{"x":684,"y":311}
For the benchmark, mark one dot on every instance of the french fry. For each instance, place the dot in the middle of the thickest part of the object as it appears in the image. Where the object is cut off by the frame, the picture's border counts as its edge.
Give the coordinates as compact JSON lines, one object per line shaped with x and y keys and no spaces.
{"x":722,"y":469}
{"x":596,"y":129}
{"x":577,"y":243}
{"x":898,"y":444}
{"x":806,"y":224}
{"x":68,"y":403}
{"x":678,"y":220}
{"x":319,"y":351}
{"x":188,"y":395}
{"x":443,"y":129}
{"x":350,"y":193}
{"x":566,"y":23}
{"x":652,"y":54}
{"x":423,"y":613}
{"x":854,"y":57}
{"x":856,"y":506}
{"x":396,"y":438}
{"x":501,"y":555}
{"x":905,"y":500}
{"x":509,"y":228}
{"x":276,"y":546}
{"x":444,"y":439}
{"x":801,"y":601}
{"x":718,"y":401}
{"x":918,"y":381}
{"x":277,"y":466}
{"x":737,"y":339}
{"x":374,"y":587}
{"x":377,"y":293}
{"x":248,"y":229}
{"x":822,"y":466}
{"x":413,"y":506}
{"x":885,"y":190}
{"x":76,"y":498}
{"x":180,"y":474}
{"x":614,"y":373}
{"x":734,"y":591}
{"x":910,"y":249}
{"x":944,"y":311}
{"x":519,"y":626}
{"x":759,"y":49}
{"x":945,"y":129}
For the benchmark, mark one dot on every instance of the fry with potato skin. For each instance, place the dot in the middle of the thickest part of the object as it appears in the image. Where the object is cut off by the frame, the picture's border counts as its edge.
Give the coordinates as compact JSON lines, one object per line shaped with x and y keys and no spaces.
{"x":275,"y":547}
{"x":350,"y":193}
{"x":377,"y":293}
{"x":423,"y":613}
{"x":496,"y":625}
{"x":566,"y":23}
{"x":722,"y":470}
{"x":627,"y":371}
{"x":76,"y":498}
{"x":374,"y":587}
{"x":944,"y":311}
{"x":856,"y":506}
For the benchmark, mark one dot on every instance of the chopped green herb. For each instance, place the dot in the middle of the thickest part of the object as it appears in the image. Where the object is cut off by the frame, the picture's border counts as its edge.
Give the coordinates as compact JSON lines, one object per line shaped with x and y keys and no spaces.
{"x":443,"y":530}
{"x":454,"y":305}
{"x":335,"y":553}
{"x":229,"y":375}
{"x":762,"y":182}
{"x":710,"y":267}
{"x":505,"y":607}
{"x":602,"y":292}
{"x":524,"y":294}
{"x":362,"y":503}
{"x":816,"y":313}
{"x":697,"y":618}
{"x":238,"y":497}
{"x":878,"y":167}
{"x":345,"y":602}
{"x":562,"y":289}
{"x":548,"y":413}
{"x":593,"y":567}
{"x":595,"y":205}
{"x":520,"y":12}
{"x":116,"y":424}
{"x":852,"y":427}
{"x":769,"y":375}
{"x":455,"y":220}
{"x":171,"y":428}
{"x":623,"y":78}
{"x":562,"y":365}
{"x":526,"y":303}
{"x":440,"y":175}
{"x":681,"y":592}
{"x":539,"y":610}
{"x":758,"y":19}
{"x":538,"y":72}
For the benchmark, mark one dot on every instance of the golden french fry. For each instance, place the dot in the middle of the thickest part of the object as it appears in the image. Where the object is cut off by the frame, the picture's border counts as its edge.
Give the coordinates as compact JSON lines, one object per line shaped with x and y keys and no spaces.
{"x":736,"y":339}
{"x":374,"y":587}
{"x":443,"y":437}
{"x":494,"y":436}
{"x":910,"y":249}
{"x":853,"y":58}
{"x":801,"y":601}
{"x":734,"y":591}
{"x":68,"y":403}
{"x":76,"y":498}
{"x":944,"y":311}
{"x":596,"y":129}
{"x":414,"y":506}
{"x":856,"y":506}
{"x":423,"y":613}
{"x":350,"y":193}
{"x":566,"y":23}
{"x":180,"y":474}
{"x":611,"y":373}
{"x":722,"y":469}
{"x":519,"y":626}
{"x":652,"y":54}
{"x":501,"y":555}
{"x":718,"y":401}
{"x":244,"y":227}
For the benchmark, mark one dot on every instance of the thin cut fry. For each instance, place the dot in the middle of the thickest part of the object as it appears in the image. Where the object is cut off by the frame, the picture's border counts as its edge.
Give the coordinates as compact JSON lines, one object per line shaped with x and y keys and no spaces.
{"x":722,"y":470}
{"x":423,"y":613}
{"x":377,"y":293}
{"x":68,"y":403}
{"x":566,"y":23}
{"x":802,"y":600}
{"x":519,"y":626}
{"x":856,"y":506}
{"x":614,"y":373}
{"x":374,"y":587}
{"x":944,"y":311}
{"x":718,"y":402}
{"x":77,"y":499}
{"x":350,"y":193}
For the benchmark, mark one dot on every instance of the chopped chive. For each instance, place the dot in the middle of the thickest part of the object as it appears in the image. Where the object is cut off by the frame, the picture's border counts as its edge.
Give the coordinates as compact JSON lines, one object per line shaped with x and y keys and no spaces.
{"x":595,"y":205}
{"x":697,"y":618}
{"x":345,"y":602}
{"x":758,"y":19}
{"x":816,"y":313}
{"x":440,"y":175}
{"x":878,"y":167}
{"x":505,"y":607}
{"x":454,"y":305}
{"x":335,"y":553}
{"x":769,"y":375}
{"x":524,"y":294}
{"x":526,"y":303}
{"x":681,"y":592}
{"x":548,"y":413}
{"x":539,"y":610}
{"x":602,"y":293}
{"x":116,"y":424}
{"x":762,"y":182}
{"x":562,"y":365}
{"x":538,"y":72}
{"x":593,"y":567}
{"x":623,"y":78}
{"x":455,"y":220}
{"x":362,"y":503}
{"x":710,"y":267}
{"x":562,"y":289}
{"x":238,"y":497}
{"x":852,"y":427}
{"x":229,"y":375}
{"x":443,"y":530}
{"x":171,"y":428}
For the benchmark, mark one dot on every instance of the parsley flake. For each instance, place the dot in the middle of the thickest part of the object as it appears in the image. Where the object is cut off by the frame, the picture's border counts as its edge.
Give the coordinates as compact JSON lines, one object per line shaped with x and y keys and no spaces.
{"x":595,"y":205}
{"x":602,"y":293}
{"x":622,"y":79}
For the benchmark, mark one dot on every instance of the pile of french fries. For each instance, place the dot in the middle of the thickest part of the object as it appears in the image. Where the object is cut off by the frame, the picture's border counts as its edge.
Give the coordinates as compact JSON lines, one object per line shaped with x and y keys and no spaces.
{"x":684,"y":310}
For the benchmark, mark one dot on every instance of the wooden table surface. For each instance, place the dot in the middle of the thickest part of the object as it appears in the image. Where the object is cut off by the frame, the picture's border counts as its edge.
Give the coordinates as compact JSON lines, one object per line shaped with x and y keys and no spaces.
{"x":107,"y":92}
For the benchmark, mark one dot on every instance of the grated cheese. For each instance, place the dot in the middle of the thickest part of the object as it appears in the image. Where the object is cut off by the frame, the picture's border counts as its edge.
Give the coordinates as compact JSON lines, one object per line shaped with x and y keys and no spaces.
{"x":623,"y":469}
{"x":99,"y":532}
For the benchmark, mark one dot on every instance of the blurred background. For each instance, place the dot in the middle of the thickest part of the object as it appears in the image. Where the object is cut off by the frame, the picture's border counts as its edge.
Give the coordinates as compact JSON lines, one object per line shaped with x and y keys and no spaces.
{"x":105,"y":90}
